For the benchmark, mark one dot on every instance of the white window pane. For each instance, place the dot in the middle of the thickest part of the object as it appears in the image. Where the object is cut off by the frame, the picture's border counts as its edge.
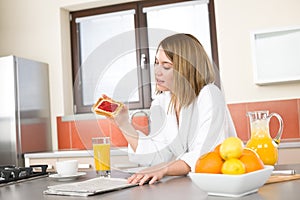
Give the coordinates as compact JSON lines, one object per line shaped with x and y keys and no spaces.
{"x":120,"y":80}
{"x":107,"y":44}
{"x":95,"y":30}
{"x":189,"y":17}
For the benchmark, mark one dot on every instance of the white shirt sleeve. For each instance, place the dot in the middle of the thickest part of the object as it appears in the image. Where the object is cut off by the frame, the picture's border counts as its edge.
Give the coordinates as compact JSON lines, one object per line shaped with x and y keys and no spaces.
{"x":153,"y":148}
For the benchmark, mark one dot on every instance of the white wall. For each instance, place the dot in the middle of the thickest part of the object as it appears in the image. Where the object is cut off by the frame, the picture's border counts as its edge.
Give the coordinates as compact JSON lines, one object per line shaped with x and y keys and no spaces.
{"x":235,"y":21}
{"x":31,"y":29}
{"x":39,"y":30}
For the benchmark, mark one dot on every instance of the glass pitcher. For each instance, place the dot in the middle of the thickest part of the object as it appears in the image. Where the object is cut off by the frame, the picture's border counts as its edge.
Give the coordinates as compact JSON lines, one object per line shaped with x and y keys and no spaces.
{"x":260,"y":140}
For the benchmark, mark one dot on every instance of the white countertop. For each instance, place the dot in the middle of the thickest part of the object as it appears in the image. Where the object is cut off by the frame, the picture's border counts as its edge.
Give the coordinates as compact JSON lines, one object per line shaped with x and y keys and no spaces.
{"x":292,"y":143}
{"x":74,"y":153}
{"x":122,"y":151}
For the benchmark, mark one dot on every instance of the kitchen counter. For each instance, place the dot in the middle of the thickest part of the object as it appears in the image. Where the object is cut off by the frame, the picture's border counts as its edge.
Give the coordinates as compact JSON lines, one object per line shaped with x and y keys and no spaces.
{"x":122,"y":151}
{"x":170,"y":187}
{"x":291,"y":143}
{"x":119,"y":158}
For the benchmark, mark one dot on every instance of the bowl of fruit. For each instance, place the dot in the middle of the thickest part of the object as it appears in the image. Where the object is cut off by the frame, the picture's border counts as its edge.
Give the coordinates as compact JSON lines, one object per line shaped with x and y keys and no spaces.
{"x":230,"y":170}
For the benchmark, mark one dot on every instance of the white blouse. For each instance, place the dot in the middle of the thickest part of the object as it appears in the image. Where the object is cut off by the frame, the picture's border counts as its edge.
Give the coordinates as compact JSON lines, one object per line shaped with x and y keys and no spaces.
{"x":202,"y":126}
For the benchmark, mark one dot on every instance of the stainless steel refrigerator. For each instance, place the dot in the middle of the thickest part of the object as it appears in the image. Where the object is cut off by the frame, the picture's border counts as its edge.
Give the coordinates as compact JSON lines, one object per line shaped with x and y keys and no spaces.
{"x":24,"y":109}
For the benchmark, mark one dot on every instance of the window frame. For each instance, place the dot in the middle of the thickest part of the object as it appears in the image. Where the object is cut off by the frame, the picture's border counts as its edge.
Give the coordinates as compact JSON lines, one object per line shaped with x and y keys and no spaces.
{"x":140,"y":19}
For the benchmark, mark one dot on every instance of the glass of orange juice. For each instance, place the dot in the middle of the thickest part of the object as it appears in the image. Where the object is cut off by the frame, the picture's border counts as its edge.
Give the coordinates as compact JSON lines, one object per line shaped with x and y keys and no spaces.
{"x":101,"y":148}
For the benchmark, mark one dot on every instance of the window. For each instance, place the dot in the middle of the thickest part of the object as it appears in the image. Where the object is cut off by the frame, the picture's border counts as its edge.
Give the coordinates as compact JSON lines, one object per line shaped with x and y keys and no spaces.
{"x":113,"y":47}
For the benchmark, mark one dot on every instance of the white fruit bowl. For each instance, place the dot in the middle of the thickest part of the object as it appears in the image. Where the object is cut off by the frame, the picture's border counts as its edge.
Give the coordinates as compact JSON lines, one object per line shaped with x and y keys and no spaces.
{"x":232,"y":185}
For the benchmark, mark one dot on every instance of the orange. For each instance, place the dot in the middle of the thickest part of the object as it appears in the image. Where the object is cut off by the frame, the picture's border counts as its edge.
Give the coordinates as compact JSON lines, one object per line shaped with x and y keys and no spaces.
{"x":233,"y":166}
{"x":217,"y":148}
{"x":248,"y":151}
{"x":251,"y":160}
{"x":210,"y":162}
{"x":231,"y":147}
{"x":264,"y":147}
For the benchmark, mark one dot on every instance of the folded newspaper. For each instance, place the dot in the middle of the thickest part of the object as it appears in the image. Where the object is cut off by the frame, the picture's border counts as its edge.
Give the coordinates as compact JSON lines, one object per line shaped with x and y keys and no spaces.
{"x":89,"y":187}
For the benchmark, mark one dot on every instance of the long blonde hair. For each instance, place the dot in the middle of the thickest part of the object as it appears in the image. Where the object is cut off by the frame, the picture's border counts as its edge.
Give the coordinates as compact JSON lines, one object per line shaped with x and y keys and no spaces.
{"x":191,"y":67}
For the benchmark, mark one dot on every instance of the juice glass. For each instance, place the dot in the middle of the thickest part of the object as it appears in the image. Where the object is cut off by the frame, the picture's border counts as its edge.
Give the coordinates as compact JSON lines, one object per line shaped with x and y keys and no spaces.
{"x":101,"y":148}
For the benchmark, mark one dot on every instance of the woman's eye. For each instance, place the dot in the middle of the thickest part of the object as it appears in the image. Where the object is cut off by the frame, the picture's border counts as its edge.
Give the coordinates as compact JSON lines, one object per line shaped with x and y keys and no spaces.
{"x":167,"y":66}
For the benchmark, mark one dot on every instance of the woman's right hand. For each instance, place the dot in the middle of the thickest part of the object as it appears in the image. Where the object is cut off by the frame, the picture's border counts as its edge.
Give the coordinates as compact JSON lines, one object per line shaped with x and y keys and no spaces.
{"x":123,"y":122}
{"x":122,"y":118}
{"x":128,"y":131}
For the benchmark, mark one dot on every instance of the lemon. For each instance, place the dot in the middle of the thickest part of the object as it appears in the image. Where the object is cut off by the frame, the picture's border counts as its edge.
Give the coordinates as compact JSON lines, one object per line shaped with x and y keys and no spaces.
{"x":233,"y":166}
{"x":231,"y":147}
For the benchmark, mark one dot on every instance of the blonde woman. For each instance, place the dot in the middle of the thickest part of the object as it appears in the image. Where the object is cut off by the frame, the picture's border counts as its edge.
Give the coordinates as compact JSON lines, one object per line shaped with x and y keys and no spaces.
{"x":188,"y":116}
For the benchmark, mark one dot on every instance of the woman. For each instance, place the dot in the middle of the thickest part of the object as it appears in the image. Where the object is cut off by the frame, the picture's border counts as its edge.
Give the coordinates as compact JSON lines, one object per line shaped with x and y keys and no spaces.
{"x":188,"y":117}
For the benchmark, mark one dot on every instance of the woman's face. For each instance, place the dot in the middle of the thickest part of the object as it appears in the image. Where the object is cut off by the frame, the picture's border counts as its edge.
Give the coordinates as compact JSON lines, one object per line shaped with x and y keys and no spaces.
{"x":163,"y":69}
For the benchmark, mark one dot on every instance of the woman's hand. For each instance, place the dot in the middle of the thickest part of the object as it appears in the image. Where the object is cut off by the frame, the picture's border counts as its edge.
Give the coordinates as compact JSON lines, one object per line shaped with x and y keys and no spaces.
{"x":122,"y":118}
{"x":128,"y":131}
{"x":149,"y":175}
{"x":157,"y":172}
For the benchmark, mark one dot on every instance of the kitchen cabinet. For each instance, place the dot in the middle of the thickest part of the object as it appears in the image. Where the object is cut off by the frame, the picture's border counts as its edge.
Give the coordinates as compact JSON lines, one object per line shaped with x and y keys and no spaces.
{"x":119,"y":159}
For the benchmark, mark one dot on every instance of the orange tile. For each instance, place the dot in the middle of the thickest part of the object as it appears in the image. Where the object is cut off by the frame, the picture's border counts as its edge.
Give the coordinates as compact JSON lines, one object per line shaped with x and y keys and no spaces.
{"x":116,"y":136}
{"x":105,"y":127}
{"x":63,"y":134}
{"x":238,"y":114}
{"x":141,"y":123}
{"x":298,"y":100}
{"x":287,"y":109}
{"x":76,"y":142}
{"x":111,"y":130}
{"x":84,"y":131}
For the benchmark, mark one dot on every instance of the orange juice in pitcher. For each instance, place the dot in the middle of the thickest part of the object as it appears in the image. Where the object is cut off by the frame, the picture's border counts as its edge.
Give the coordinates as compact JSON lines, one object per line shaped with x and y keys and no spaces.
{"x":260,"y":140}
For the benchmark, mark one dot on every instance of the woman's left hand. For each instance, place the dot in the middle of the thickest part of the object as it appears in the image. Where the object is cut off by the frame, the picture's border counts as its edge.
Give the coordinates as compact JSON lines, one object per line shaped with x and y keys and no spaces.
{"x":157,"y":172}
{"x":149,"y":175}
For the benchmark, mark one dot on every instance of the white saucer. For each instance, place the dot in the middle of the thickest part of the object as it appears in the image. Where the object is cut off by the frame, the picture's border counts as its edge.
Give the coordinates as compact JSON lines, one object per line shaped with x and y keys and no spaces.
{"x":68,"y":177}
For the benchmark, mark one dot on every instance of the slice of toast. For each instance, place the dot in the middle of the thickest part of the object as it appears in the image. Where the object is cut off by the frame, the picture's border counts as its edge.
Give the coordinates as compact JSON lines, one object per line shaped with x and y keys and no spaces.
{"x":107,"y":107}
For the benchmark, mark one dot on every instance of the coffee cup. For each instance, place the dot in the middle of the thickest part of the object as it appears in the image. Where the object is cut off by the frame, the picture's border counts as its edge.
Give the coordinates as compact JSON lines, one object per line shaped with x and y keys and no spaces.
{"x":67,"y":167}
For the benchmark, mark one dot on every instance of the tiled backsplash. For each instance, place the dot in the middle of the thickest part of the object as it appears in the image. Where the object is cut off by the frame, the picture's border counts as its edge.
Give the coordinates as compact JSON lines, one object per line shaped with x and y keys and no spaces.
{"x":77,"y":134}
{"x":289,"y":110}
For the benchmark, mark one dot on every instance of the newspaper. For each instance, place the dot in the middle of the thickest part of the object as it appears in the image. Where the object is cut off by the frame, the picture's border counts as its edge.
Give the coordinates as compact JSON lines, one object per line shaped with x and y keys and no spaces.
{"x":89,"y":187}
